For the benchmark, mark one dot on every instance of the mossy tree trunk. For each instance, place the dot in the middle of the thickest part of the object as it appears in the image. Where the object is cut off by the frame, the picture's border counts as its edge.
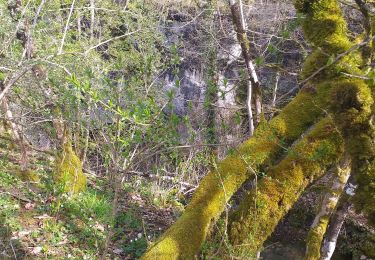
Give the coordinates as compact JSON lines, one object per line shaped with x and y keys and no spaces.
{"x":68,"y":168}
{"x":68,"y":174}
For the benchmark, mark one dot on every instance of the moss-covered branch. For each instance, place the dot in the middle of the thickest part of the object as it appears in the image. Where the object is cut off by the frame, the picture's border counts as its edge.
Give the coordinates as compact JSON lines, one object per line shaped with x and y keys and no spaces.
{"x":325,"y":28}
{"x":184,"y":238}
{"x":353,"y":114}
{"x":264,"y":207}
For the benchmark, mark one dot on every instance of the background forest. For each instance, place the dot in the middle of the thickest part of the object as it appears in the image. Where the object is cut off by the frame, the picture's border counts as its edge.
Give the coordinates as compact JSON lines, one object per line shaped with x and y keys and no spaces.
{"x":116,"y":114}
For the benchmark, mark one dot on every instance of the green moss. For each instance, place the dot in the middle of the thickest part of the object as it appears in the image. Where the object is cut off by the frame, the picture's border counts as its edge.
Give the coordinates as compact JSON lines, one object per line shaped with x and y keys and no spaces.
{"x":186,"y":236}
{"x":293,"y":120}
{"x":318,"y":59}
{"x":260,"y":211}
{"x":324,"y":25}
{"x":352,"y":103}
{"x":325,"y":28}
{"x":68,"y":173}
{"x":217,"y":187}
{"x":365,"y":193}
{"x":353,"y":111}
{"x":315,"y":238}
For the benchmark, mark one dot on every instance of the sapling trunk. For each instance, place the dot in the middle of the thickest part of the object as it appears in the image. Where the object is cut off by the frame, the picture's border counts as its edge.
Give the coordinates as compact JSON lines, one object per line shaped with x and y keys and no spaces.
{"x":328,"y":205}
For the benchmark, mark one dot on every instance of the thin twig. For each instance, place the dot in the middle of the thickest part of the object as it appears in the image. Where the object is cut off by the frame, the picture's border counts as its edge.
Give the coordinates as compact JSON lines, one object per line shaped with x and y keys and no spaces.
{"x":5,"y":68}
{"x":338,"y":58}
{"x":66,"y":28}
{"x":9,"y":83}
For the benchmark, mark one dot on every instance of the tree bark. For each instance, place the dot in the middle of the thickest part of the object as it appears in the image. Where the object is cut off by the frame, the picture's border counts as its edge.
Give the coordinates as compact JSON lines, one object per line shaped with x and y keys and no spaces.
{"x":274,"y":93}
{"x":249,"y":108}
{"x":17,"y":135}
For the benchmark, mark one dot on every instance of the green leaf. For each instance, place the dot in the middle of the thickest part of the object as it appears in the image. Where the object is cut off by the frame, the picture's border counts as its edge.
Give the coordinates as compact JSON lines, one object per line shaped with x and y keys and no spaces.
{"x":285,"y":34}
{"x":331,"y":60}
{"x":225,"y":82}
{"x":259,"y":61}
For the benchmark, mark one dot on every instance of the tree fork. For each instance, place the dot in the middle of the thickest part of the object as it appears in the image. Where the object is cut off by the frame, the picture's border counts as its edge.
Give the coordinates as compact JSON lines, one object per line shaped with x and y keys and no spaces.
{"x":254,"y":90}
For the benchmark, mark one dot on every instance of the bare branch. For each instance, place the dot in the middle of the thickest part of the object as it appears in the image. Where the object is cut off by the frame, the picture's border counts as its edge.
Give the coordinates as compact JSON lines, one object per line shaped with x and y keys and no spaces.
{"x":9,"y":83}
{"x":66,"y":28}
{"x":109,"y":40}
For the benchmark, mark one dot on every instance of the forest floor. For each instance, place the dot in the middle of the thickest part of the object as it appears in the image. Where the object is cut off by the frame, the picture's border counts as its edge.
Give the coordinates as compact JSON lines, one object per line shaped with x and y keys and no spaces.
{"x":35,"y":223}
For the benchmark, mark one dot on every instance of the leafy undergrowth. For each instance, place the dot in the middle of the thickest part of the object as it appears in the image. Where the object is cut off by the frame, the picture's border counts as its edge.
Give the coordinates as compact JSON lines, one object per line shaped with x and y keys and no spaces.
{"x":38,"y":221}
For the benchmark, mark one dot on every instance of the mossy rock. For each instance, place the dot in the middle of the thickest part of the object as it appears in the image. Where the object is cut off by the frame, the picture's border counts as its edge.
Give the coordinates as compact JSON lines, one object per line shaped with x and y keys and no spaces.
{"x":68,"y":173}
